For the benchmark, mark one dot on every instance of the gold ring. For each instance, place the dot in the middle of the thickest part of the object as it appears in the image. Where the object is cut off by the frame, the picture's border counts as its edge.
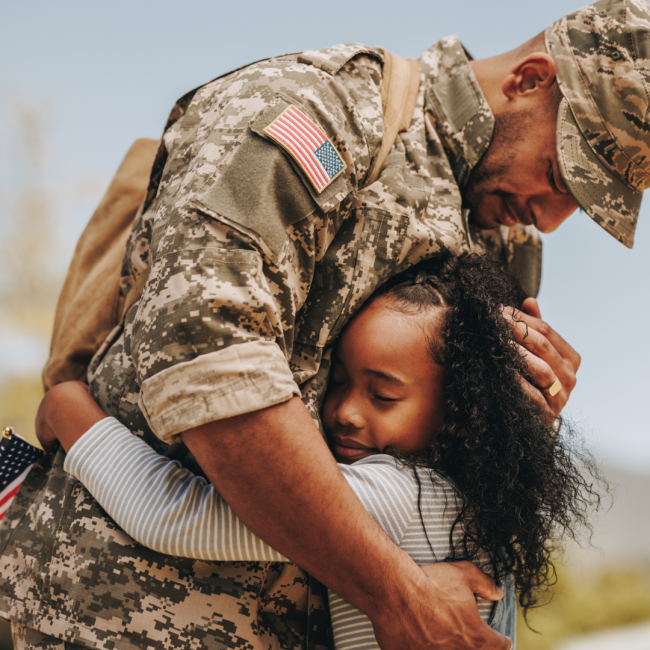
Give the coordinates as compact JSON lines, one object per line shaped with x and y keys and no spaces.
{"x":555,"y":388}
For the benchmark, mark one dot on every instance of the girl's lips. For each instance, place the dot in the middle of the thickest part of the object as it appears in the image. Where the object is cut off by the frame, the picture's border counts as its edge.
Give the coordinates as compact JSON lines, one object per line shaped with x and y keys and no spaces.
{"x":353,"y":454}
{"x":351,"y":449}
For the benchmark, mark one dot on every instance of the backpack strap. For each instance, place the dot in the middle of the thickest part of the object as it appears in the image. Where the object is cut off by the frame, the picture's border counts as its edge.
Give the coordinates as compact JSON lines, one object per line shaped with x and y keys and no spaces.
{"x":399,"y":93}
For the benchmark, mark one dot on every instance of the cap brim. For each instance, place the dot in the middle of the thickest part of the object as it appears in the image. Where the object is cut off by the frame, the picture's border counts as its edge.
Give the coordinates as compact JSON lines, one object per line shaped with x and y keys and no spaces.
{"x":601,"y":194}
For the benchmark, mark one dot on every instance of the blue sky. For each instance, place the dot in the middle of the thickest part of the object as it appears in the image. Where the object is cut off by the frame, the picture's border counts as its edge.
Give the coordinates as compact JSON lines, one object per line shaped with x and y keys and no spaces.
{"x":106,"y":73}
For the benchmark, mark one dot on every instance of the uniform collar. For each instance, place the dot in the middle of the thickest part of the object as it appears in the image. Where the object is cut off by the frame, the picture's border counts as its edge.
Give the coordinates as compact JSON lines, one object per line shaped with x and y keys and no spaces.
{"x":454,"y":102}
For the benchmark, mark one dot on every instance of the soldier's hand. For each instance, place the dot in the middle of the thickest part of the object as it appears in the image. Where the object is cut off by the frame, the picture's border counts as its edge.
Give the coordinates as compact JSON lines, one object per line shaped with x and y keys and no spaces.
{"x":549,"y":357}
{"x":444,"y":614}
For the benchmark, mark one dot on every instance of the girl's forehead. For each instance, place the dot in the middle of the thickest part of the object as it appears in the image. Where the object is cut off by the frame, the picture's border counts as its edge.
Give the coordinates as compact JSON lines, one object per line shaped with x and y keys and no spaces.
{"x":386,"y":315}
{"x":380,"y":330}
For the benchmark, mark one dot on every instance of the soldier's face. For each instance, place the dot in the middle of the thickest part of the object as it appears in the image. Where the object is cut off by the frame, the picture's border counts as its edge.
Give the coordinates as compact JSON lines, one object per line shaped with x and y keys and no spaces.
{"x":518,"y":179}
{"x":384,"y":388}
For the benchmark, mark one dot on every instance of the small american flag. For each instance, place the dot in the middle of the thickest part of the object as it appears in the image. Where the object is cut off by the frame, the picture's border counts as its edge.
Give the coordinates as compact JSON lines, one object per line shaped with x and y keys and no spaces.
{"x":17,"y":457}
{"x":308,"y":146}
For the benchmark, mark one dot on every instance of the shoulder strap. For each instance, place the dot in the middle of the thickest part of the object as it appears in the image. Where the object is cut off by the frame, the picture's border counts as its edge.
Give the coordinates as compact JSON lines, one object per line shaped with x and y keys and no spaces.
{"x":399,"y":93}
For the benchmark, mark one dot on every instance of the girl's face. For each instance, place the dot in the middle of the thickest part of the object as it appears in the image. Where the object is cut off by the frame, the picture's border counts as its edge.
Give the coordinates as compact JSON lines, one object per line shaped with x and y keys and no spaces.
{"x":384,"y":388}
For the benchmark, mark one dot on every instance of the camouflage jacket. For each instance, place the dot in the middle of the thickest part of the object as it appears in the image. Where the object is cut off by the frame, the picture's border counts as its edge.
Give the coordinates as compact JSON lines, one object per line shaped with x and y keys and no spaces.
{"x":251,"y":272}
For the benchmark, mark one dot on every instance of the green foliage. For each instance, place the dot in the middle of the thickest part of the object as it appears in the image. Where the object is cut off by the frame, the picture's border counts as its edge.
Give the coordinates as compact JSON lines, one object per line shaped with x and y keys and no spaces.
{"x":613,"y":597}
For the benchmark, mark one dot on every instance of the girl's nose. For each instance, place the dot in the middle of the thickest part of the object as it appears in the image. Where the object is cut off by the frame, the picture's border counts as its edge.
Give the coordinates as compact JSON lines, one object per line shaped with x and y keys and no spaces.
{"x":348,"y":412}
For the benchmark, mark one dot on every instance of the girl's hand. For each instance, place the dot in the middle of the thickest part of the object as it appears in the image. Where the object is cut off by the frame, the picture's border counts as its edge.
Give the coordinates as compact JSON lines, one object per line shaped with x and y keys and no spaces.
{"x":44,"y":432}
{"x":66,"y":412}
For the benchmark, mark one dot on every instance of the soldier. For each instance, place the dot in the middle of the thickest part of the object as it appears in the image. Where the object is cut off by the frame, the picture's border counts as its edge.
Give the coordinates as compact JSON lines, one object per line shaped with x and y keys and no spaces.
{"x":257,"y":241}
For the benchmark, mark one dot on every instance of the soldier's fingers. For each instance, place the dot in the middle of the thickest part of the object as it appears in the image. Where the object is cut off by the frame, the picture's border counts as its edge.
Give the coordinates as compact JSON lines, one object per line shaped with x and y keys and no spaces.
{"x":535,"y":395}
{"x":541,"y":372}
{"x":544,"y":378}
{"x":536,"y":343}
{"x":545,"y":363}
{"x":531,"y":307}
{"x":535,"y":331}
{"x":564,"y":365}
{"x":479,"y":582}
{"x":540,"y":346}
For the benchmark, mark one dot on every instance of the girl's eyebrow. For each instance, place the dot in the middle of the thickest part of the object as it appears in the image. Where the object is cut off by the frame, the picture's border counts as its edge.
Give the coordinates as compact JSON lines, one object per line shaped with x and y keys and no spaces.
{"x":384,"y":375}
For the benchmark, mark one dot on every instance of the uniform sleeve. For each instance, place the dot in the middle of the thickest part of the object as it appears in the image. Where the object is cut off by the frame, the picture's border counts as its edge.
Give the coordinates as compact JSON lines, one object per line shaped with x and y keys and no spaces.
{"x":232,"y":237}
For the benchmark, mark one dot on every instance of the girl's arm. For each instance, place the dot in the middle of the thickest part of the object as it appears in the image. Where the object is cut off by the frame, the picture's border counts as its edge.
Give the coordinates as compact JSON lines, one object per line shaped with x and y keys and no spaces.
{"x":164,"y":506}
{"x":66,"y":412}
{"x":158,"y":502}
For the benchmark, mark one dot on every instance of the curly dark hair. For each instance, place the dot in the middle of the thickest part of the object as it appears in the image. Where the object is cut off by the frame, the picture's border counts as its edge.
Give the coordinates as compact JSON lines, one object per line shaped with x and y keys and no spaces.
{"x":526,"y":484}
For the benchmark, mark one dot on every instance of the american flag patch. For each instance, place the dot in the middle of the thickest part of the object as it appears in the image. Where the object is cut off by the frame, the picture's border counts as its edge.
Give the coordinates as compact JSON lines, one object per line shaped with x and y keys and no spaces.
{"x":17,"y":457}
{"x":308,"y":146}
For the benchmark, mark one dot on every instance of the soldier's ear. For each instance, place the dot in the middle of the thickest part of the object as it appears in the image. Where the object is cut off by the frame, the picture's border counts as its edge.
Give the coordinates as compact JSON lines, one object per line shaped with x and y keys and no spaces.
{"x":534,"y":73}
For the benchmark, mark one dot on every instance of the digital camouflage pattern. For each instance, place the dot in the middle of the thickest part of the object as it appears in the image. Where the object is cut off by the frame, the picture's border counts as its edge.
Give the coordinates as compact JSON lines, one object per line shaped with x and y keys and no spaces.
{"x":603,"y":68}
{"x":250,"y":277}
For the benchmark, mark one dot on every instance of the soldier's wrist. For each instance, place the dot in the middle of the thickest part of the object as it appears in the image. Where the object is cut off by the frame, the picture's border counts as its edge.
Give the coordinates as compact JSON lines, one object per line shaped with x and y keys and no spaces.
{"x":400,"y":594}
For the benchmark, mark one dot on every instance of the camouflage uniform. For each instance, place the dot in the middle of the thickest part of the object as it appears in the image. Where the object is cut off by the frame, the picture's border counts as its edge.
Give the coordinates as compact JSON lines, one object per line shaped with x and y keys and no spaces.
{"x":252,"y":273}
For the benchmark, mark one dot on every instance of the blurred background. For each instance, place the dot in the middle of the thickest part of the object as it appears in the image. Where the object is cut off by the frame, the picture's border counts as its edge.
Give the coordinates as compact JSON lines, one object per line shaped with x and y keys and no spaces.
{"x":80,"y":81}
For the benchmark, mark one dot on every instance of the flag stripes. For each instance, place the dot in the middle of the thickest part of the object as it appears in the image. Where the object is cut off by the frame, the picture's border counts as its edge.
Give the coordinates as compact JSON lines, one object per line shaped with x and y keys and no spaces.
{"x":308,"y":146}
{"x":17,"y":457}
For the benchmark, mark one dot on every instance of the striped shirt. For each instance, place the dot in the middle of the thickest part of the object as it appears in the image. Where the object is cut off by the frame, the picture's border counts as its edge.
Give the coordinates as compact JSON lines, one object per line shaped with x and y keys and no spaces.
{"x":165,"y":507}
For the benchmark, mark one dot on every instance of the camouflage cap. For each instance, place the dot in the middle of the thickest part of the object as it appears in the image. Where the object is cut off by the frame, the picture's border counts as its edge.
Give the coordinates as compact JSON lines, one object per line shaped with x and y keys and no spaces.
{"x":602,"y":54}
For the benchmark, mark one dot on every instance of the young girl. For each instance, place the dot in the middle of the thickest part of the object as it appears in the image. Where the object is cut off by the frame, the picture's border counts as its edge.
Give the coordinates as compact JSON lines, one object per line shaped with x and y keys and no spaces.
{"x":428,"y":418}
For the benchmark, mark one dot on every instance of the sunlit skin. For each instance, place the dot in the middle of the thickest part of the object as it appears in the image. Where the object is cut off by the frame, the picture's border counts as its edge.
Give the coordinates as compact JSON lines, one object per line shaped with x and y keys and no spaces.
{"x":384,"y":389}
{"x":518,"y":179}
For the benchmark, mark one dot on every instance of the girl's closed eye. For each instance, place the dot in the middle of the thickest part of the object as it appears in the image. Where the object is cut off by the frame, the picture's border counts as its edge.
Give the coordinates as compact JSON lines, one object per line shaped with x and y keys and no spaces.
{"x":384,"y":398}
